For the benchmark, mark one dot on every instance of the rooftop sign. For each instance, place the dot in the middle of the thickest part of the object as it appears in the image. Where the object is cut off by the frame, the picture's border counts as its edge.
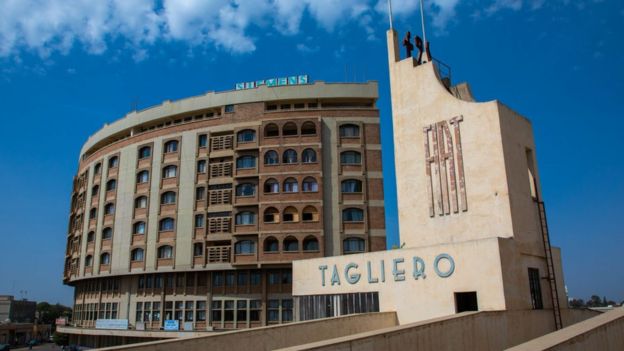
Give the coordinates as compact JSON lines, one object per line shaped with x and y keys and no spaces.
{"x":274,"y":82}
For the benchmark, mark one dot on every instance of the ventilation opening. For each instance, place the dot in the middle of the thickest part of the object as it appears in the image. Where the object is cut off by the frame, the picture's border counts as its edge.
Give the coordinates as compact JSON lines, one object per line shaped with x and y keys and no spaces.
{"x":466,"y":301}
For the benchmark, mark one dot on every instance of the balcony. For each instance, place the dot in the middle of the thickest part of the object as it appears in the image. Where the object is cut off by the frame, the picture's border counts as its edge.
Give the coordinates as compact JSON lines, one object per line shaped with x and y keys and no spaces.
{"x":218,"y":254}
{"x":221,"y":169}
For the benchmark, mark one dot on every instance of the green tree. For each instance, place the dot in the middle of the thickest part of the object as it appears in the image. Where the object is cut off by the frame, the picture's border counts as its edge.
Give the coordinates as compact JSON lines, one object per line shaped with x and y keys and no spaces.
{"x":49,"y":313}
{"x":60,"y":339}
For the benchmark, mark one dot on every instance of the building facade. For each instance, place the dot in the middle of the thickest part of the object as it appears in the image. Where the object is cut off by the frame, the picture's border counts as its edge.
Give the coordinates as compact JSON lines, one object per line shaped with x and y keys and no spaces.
{"x":17,"y":311}
{"x":192,"y":211}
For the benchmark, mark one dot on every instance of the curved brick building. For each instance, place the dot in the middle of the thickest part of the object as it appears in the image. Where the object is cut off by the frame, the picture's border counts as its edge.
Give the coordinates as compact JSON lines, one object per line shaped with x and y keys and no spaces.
{"x":193,"y":210}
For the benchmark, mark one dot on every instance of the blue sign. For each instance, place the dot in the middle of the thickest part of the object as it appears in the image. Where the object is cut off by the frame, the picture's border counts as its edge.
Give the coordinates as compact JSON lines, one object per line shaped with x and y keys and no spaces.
{"x":274,"y":82}
{"x":172,"y":324}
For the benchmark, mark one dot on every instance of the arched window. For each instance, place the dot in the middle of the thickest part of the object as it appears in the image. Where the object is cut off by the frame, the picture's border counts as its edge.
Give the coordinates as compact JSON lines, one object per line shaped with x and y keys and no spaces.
{"x":97,"y":168}
{"x":351,"y":186}
{"x":309,"y":214}
{"x":271,"y":244}
{"x":291,"y":244}
{"x":271,"y":158}
{"x":271,"y":186}
{"x":353,"y":245}
{"x":145,"y":152}
{"x":89,"y":261}
{"x":201,"y":166}
{"x":290,"y":214}
{"x":245,"y":218}
{"x":309,"y":184}
{"x":308,"y":156}
{"x":166,"y":224}
{"x":136,"y":255}
{"x":107,"y":233}
{"x":138,"y":228}
{"x":142,"y":177}
{"x":109,"y":209}
{"x":245,"y":247}
{"x":350,"y":158}
{"x":352,"y":215}
{"x":93,"y":213}
{"x":111,"y":185}
{"x":271,"y":215}
{"x":308,"y":128}
{"x":168,"y":198}
{"x":310,"y":243}
{"x":246,"y":136}
{"x":291,"y":185}
{"x":290,"y":156}
{"x":271,"y":130}
{"x":140,"y":202}
{"x":91,"y":237}
{"x":165,"y":251}
{"x":170,"y":171}
{"x":289,"y":128}
{"x":198,"y":249}
{"x":246,"y":161}
{"x":171,"y":146}
{"x":349,"y":131}
{"x":105,"y":258}
{"x":113,"y":162}
{"x":94,"y":190}
{"x":246,"y":189}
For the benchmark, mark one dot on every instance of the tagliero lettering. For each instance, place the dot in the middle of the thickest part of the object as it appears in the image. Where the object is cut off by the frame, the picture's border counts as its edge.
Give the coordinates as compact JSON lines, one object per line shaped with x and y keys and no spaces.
{"x":376,"y":271}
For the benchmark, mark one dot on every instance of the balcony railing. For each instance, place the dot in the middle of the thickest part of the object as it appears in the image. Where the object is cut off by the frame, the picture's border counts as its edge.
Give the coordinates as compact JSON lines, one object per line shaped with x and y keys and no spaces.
{"x":218,"y":254}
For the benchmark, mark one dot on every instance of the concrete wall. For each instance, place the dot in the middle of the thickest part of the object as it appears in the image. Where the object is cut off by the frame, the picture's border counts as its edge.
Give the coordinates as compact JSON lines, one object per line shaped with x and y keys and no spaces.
{"x":270,"y":338}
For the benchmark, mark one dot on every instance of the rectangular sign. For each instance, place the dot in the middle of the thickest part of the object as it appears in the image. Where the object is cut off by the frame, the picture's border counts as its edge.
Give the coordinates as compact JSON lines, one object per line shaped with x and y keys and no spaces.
{"x":188,"y":326}
{"x":172,"y":324}
{"x":61,"y":321}
{"x":120,"y":324}
{"x":274,"y":82}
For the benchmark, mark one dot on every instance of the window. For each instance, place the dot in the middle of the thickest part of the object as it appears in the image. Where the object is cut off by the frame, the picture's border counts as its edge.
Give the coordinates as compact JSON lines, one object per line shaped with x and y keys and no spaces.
{"x":246,"y":136}
{"x":95,"y":190}
{"x":287,"y":310}
{"x":140,"y":202}
{"x":91,"y":237}
{"x":353,"y":245}
{"x":109,"y":209}
{"x":291,"y":185}
{"x":168,"y":198}
{"x":309,"y":184}
{"x":171,"y":146}
{"x":291,"y":244}
{"x":229,"y":108}
{"x":245,"y":218}
{"x":111,"y":185}
{"x":97,"y":168}
{"x":166,"y":224}
{"x":536,"y":289}
{"x":271,"y":130}
{"x":352,"y":215}
{"x":271,"y":244}
{"x":201,"y":166}
{"x":271,"y":186}
{"x":142,"y":177}
{"x":113,"y":162}
{"x":290,"y":214}
{"x":349,"y":131}
{"x":350,"y":158}
{"x":136,"y":255}
{"x":246,"y":161}
{"x":198,"y":249}
{"x":145,"y":152}
{"x":273,"y":310}
{"x":466,"y":301}
{"x":138,"y":228}
{"x":107,"y":233}
{"x":200,"y":193}
{"x":309,"y":214}
{"x":308,"y":156}
{"x":165,"y":251}
{"x":245,"y":189}
{"x":290,"y":156}
{"x":93,"y":213}
{"x":202,"y":141}
{"x":89,"y":261}
{"x":310,"y":244}
{"x":351,"y":186}
{"x":245,"y":247}
{"x":271,"y":158}
{"x":199,"y":221}
{"x":170,"y":171}
{"x":271,"y":215}
{"x":200,"y":311}
{"x":105,"y":258}
{"x":289,"y":129}
{"x":308,"y":128}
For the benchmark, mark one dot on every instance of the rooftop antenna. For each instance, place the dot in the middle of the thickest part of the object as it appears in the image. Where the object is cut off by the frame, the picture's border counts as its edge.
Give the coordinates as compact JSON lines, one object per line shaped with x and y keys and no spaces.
{"x":390,"y":12}
{"x":422,"y":21}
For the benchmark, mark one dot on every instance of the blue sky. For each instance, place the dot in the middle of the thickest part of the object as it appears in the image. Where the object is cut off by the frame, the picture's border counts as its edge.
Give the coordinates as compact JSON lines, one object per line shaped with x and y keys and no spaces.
{"x":65,"y":70}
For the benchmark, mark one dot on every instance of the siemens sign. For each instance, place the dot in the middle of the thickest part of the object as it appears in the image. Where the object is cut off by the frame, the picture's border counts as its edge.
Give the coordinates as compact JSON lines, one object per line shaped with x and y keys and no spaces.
{"x":274,"y":82}
{"x":443,"y":266}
